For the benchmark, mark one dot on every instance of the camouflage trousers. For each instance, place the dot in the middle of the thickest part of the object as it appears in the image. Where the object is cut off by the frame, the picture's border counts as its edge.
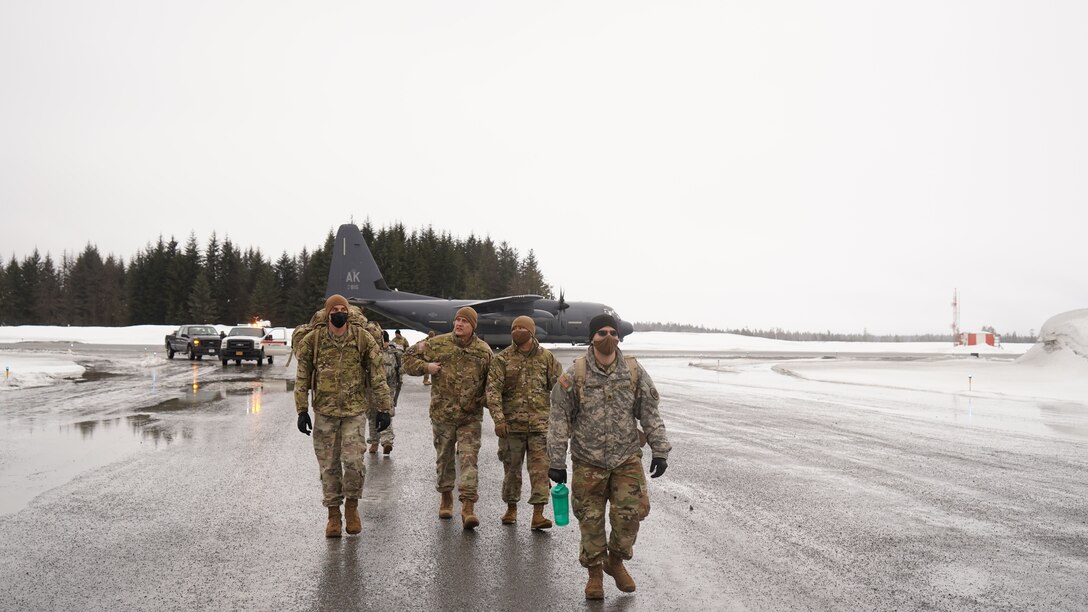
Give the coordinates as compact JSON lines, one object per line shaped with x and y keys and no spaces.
{"x":338,"y":444}
{"x":512,"y":452}
{"x":385,"y":437}
{"x":460,"y":441}
{"x":624,"y":489}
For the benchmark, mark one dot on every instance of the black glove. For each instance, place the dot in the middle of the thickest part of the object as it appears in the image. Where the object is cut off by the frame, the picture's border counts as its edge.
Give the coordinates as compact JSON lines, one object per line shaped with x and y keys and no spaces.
{"x":559,"y":476}
{"x":304,"y":424}
{"x":382,"y":421}
{"x":658,"y":467}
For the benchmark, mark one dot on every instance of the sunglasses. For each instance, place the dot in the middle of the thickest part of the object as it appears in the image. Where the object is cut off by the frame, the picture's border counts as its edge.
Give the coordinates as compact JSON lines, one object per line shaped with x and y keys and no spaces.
{"x":605,"y":333}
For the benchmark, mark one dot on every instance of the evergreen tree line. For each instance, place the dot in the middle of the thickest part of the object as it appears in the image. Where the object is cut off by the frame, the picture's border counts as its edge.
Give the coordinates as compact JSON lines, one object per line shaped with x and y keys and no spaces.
{"x":170,"y":283}
{"x":827,"y":336}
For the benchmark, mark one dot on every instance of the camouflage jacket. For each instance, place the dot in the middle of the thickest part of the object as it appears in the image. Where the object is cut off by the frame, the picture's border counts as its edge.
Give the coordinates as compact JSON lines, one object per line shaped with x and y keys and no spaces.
{"x":602,"y":428}
{"x":457,"y":391}
{"x":518,"y":385}
{"x":391,"y":359}
{"x":400,"y":341}
{"x":342,"y":374}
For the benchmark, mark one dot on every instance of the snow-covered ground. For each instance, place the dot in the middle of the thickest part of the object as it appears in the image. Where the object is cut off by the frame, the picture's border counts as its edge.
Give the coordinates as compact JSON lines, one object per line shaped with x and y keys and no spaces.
{"x":1054,"y":368}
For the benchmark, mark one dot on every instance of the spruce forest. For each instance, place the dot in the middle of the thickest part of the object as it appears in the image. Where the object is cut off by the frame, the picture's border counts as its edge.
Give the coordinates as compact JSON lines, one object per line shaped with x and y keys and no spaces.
{"x":169,"y":283}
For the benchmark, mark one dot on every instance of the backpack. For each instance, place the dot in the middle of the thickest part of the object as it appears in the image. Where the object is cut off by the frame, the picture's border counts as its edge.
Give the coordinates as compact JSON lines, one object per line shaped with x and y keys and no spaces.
{"x":580,"y":390}
{"x":320,"y":320}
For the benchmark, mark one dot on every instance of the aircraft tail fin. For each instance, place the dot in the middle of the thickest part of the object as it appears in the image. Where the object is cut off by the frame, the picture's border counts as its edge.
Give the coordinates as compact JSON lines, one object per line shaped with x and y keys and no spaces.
{"x":353,"y":272}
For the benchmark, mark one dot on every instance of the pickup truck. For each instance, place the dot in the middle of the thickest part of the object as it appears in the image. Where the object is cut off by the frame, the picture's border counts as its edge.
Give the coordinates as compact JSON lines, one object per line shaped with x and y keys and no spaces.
{"x":244,"y":343}
{"x":193,"y":340}
{"x":277,"y":342}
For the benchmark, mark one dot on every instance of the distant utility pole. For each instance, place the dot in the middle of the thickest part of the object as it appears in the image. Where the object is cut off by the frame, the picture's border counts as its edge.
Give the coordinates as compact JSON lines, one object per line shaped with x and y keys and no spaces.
{"x":955,"y":318}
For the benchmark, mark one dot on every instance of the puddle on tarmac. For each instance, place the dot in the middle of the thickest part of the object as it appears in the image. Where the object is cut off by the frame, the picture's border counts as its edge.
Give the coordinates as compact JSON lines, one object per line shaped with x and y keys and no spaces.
{"x":92,"y":375}
{"x":50,"y":454}
{"x":145,"y":427}
{"x":37,"y":455}
{"x":195,"y":395}
{"x":1066,"y":418}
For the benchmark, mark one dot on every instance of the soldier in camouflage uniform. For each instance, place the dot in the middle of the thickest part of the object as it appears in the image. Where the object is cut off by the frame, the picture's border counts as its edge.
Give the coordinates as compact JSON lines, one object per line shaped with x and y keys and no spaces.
{"x":336,"y":361}
{"x":458,"y":363}
{"x":597,"y":405}
{"x":391,"y":361}
{"x":518,"y":386}
{"x":400,"y":341}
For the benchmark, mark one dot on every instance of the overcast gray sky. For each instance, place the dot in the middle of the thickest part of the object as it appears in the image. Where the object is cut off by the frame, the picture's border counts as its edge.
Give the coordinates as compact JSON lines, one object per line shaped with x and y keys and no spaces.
{"x":808,"y":165}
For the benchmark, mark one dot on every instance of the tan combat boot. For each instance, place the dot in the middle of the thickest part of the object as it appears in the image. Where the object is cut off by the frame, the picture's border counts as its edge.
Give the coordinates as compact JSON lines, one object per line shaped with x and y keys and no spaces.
{"x":595,"y":584}
{"x":373,"y":448}
{"x":468,"y":515}
{"x":539,"y":521}
{"x":332,"y":528}
{"x":511,"y":515}
{"x":445,"y":509}
{"x":351,"y":515}
{"x":387,"y":448}
{"x":613,"y":566}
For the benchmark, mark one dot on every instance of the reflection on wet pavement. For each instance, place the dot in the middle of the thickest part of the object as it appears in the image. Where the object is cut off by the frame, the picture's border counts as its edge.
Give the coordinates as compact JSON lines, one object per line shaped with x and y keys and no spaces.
{"x":145,"y":426}
{"x":51,"y":454}
{"x":1066,"y":418}
{"x":92,"y":375}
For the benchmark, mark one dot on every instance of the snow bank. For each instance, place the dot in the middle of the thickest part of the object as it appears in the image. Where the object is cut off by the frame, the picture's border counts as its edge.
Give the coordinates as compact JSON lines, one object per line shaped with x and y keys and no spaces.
{"x":133,"y":334}
{"x":26,"y":370}
{"x":1056,"y":368}
{"x":1063,"y":341}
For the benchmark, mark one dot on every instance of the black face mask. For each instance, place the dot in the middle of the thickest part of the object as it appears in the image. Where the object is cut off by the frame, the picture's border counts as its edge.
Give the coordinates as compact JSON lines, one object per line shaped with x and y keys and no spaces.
{"x":338,"y":319}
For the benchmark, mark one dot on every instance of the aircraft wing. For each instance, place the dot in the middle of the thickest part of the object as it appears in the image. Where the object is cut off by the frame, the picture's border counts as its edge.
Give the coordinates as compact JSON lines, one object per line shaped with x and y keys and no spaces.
{"x":509,"y":302}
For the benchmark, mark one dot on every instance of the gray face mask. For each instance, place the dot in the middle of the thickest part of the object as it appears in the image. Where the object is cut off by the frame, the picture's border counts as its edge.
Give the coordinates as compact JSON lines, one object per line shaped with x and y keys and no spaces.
{"x":338,"y":319}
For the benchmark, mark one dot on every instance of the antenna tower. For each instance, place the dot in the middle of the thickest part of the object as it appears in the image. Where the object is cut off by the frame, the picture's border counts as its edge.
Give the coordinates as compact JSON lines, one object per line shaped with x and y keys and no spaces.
{"x":955,"y":318}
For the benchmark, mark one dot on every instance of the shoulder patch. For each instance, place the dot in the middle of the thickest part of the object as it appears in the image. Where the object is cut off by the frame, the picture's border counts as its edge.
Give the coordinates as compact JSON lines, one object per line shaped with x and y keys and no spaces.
{"x":653,"y":392}
{"x":564,"y":381}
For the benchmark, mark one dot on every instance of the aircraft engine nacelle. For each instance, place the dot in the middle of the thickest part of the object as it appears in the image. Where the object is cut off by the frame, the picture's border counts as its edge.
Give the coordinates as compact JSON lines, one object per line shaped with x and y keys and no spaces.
{"x":541,"y":316}
{"x":543,"y":320}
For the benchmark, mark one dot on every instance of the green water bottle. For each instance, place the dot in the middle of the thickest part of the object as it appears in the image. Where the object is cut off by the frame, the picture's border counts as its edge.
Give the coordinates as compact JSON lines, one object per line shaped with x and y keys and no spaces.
{"x":560,"y":504}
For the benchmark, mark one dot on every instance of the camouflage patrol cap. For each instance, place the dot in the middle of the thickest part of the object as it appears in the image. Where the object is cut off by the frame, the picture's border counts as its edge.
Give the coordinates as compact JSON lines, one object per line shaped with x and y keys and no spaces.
{"x":602,"y":320}
{"x":526,"y":322}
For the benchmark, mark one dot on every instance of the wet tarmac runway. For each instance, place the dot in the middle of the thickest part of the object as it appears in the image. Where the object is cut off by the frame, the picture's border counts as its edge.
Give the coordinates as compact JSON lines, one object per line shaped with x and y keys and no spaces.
{"x":178,"y":485}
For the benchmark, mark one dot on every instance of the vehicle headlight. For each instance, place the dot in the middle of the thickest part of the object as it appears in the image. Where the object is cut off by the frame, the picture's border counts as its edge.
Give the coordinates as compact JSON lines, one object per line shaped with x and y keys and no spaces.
{"x":196,"y":342}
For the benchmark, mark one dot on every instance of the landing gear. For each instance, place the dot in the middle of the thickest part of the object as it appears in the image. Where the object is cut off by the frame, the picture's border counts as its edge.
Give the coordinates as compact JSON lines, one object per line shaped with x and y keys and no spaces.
{"x":270,"y":360}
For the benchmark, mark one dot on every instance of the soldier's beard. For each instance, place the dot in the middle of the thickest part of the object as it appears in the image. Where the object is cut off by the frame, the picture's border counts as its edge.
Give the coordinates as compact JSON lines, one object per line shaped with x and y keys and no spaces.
{"x":606,"y":345}
{"x":520,"y":337}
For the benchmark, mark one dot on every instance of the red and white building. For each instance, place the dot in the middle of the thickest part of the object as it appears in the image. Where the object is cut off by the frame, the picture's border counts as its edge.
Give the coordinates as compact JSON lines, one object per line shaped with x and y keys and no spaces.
{"x":978,"y":339}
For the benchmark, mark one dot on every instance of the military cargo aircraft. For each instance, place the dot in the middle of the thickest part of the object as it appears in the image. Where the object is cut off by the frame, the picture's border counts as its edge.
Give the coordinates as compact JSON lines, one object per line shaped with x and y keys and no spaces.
{"x":355,"y":275}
